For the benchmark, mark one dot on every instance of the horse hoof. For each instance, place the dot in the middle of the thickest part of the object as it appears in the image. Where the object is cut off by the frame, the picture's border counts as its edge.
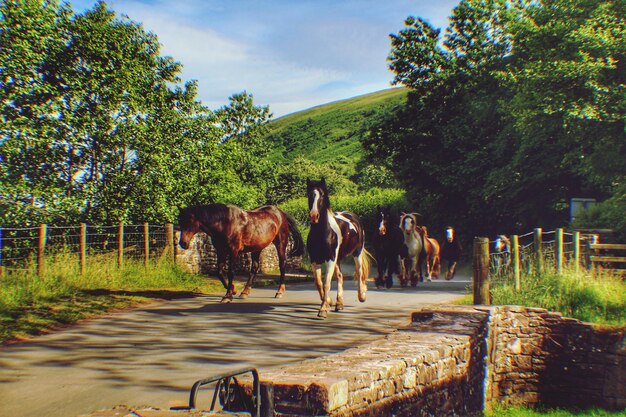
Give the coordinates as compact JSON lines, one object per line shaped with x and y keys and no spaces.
{"x":322,"y":314}
{"x":244,"y":295}
{"x":339,"y":307}
{"x":226,"y":300}
{"x":279,"y":295}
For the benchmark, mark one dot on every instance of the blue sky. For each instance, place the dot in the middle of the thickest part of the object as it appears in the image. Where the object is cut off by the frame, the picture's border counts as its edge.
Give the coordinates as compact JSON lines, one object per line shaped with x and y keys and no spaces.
{"x":289,"y":54}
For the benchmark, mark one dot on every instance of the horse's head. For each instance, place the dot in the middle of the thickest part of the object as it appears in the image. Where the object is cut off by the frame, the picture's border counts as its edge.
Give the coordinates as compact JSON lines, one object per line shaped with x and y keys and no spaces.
{"x":317,"y":194}
{"x":189,"y":226}
{"x":502,"y":244}
{"x":383,"y":219}
{"x":450,"y":234}
{"x":408,"y":223}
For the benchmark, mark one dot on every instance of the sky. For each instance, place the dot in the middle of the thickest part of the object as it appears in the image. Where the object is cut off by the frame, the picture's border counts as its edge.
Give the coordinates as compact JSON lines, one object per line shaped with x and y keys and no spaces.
{"x":289,"y":54}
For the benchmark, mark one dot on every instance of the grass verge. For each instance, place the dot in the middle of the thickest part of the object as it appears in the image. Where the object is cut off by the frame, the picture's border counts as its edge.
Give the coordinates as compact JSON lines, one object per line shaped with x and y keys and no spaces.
{"x":529,"y":412}
{"x":31,"y":305}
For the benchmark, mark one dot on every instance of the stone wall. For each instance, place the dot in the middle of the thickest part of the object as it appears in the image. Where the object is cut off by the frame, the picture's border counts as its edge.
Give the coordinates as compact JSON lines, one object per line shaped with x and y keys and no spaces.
{"x":201,"y":258}
{"x":457,"y":361}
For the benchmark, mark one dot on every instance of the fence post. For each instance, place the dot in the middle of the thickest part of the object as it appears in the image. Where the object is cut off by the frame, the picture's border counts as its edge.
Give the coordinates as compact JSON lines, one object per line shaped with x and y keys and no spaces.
{"x":146,"y":244}
{"x":516,"y":262}
{"x":481,"y":271}
{"x":1,"y":264}
{"x":41,"y":250}
{"x":83,"y":247}
{"x":576,"y":244}
{"x":120,"y":245}
{"x":169,"y":240}
{"x":538,"y":243}
{"x":558,"y":250}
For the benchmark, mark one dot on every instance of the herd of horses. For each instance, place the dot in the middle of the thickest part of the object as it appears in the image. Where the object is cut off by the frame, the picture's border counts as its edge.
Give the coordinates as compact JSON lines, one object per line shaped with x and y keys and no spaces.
{"x":401,"y":244}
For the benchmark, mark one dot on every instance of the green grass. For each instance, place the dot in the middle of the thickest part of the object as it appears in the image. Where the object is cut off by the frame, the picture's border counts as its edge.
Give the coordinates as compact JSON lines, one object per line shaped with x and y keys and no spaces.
{"x":30,"y":305}
{"x":334,"y":131}
{"x":591,"y":297}
{"x":529,"y":412}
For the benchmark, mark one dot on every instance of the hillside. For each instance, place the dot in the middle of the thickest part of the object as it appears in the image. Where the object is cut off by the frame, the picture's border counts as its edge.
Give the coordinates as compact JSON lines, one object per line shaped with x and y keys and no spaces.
{"x":333,"y":131}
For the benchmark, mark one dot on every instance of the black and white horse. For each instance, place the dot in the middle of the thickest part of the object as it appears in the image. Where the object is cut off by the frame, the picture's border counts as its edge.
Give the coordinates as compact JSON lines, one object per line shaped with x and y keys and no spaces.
{"x":332,"y":237}
{"x":451,"y":251}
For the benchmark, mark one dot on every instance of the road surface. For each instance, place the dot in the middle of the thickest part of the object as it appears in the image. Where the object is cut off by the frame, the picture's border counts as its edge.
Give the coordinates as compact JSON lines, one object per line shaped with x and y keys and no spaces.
{"x":153,"y":354}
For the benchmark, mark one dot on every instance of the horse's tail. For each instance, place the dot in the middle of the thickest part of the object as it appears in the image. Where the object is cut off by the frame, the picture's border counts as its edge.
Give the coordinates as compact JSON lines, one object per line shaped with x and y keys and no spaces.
{"x":364,"y":261}
{"x":297,"y":249}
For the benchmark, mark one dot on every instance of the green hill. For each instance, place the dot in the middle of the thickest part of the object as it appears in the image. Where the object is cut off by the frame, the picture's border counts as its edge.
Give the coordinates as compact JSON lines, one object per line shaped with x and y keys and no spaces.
{"x":333,"y":131}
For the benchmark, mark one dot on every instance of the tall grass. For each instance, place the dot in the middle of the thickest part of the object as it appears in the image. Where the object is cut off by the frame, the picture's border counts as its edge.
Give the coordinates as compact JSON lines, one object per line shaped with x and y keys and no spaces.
{"x":529,"y":412}
{"x":586,"y":295}
{"x":29,"y":304}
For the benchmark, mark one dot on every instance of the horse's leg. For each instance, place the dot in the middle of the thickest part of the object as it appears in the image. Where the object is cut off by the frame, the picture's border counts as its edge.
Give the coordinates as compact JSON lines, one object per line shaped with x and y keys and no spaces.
{"x":254,"y":270}
{"x":339,"y":306}
{"x":281,"y":249}
{"x":392,"y":266}
{"x":451,"y":270}
{"x":380,"y":266}
{"x":359,"y":275}
{"x":429,"y":262}
{"x":317,"y":276}
{"x":230,"y":292}
{"x":326,"y":300}
{"x":221,"y":266}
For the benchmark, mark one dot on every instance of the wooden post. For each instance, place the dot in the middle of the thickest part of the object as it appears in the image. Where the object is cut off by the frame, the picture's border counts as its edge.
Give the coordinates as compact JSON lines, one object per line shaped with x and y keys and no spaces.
{"x":146,"y":244}
{"x":120,"y":245}
{"x":169,"y":240}
{"x":516,"y":262}
{"x":576,"y":244}
{"x":41,"y":250}
{"x":538,"y":243}
{"x":1,"y":264}
{"x":481,"y":271}
{"x":83,"y":248}
{"x":558,"y":250}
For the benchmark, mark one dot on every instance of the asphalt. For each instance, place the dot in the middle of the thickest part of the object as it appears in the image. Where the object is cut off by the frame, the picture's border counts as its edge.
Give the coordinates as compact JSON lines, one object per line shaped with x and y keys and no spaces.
{"x":153,"y":354}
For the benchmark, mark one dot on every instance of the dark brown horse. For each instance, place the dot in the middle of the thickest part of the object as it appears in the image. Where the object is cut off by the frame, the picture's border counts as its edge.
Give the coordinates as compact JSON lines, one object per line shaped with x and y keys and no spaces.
{"x":234,"y":230}
{"x":332,"y":237}
{"x":389,"y":247}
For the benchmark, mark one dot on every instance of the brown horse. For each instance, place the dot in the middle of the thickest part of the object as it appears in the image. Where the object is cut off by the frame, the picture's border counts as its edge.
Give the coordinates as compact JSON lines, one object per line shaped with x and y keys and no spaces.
{"x":332,"y":237}
{"x":234,"y":230}
{"x":431,"y":249}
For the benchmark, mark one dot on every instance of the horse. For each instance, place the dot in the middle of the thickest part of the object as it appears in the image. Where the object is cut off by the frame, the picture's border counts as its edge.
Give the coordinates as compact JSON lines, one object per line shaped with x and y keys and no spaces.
{"x":431,"y":254}
{"x":234,"y":231}
{"x":389,"y":247}
{"x":415,"y":249}
{"x":332,"y":237}
{"x":502,"y":254}
{"x":451,"y":251}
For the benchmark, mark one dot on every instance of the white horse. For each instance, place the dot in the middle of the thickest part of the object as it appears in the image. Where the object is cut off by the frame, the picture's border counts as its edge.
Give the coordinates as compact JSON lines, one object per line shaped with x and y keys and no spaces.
{"x":415,"y":245}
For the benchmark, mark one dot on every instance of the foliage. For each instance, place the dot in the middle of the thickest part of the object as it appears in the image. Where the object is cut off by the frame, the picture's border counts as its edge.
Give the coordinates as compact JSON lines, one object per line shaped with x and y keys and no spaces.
{"x":97,"y":127}
{"x":517,"y":109}
{"x":364,"y":204}
{"x":516,"y":411}
{"x":608,"y":214}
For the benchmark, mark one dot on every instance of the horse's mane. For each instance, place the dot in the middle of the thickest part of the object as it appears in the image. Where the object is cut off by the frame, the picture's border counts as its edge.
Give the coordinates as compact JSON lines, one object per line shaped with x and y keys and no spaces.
{"x":215,"y":212}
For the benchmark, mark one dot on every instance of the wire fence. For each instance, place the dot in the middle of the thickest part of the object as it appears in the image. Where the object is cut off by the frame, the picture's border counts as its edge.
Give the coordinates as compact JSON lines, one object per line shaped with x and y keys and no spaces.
{"x":552,"y":249}
{"x":28,"y":248}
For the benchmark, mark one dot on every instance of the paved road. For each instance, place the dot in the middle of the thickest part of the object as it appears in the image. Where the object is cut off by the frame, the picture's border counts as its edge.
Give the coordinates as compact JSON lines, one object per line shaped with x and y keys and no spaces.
{"x":152,"y":355}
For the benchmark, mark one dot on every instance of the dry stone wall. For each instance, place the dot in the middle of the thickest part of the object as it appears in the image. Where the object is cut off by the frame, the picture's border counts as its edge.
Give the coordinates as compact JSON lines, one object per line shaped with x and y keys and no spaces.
{"x":201,"y":258}
{"x":458,"y":361}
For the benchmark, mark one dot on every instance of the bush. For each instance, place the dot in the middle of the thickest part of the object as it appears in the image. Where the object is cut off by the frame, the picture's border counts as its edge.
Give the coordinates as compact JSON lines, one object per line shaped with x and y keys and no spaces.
{"x":608,"y":214}
{"x":364,"y":205}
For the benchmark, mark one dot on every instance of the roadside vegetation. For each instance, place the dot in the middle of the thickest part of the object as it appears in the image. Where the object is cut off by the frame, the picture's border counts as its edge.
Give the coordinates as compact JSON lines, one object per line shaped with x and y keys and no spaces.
{"x":598,"y":298}
{"x":30,"y":305}
{"x":529,"y":412}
